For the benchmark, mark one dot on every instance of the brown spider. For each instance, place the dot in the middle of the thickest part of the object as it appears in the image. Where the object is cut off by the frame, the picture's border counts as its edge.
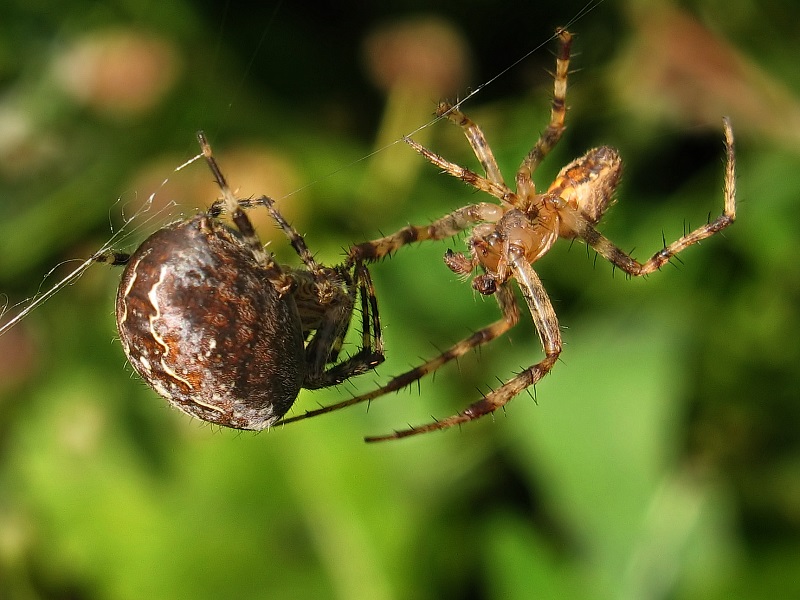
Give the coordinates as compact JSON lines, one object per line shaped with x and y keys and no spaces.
{"x":507,"y":238}
{"x":214,"y":325}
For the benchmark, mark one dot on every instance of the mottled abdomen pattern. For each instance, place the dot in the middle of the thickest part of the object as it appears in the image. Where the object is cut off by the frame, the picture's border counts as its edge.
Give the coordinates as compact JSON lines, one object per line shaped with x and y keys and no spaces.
{"x":200,"y":323}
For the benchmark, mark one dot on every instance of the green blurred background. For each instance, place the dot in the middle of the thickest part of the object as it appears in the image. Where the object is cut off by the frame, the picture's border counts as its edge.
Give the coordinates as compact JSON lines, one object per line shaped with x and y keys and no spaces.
{"x":662,"y":457}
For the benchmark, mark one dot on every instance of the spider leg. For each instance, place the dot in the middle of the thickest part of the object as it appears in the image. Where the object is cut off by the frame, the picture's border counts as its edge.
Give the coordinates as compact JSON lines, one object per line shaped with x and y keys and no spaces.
{"x":238,"y":216}
{"x":544,"y":318}
{"x":325,"y":297}
{"x":369,"y":312}
{"x":326,"y":290}
{"x":558,"y":111}
{"x":370,"y":355}
{"x":443,"y":228}
{"x":275,"y":274}
{"x":499,"y":190}
{"x":476,"y":139}
{"x":328,"y":339}
{"x":511,"y":315}
{"x":493,"y":182}
{"x":325,"y":301}
{"x":295,"y":239}
{"x":112,"y":257}
{"x":582,"y":228}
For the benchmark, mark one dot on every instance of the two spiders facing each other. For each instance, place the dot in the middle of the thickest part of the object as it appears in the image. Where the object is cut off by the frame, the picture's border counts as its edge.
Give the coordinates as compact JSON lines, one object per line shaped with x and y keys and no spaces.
{"x":216,"y":326}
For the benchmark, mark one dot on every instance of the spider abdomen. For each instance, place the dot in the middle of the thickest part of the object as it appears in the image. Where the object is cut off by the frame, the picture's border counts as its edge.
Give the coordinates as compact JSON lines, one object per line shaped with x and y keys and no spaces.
{"x":203,"y":327}
{"x":588,"y":183}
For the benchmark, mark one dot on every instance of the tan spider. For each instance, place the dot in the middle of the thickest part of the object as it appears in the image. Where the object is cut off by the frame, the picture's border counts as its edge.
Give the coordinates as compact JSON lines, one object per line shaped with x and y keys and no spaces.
{"x":506,"y":238}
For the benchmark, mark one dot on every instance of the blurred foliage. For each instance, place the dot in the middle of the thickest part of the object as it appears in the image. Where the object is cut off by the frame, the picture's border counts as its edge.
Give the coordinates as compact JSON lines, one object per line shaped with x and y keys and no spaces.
{"x":662,"y":457}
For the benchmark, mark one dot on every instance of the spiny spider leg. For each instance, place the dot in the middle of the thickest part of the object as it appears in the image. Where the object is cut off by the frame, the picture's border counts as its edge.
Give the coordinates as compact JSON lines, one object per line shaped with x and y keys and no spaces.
{"x":370,"y":318}
{"x":443,"y":228}
{"x":296,"y":240}
{"x":317,"y":288}
{"x":477,"y":140}
{"x":544,"y":318}
{"x":242,"y":221}
{"x":499,"y":190}
{"x":605,"y":248}
{"x":320,"y":287}
{"x":558,"y":113}
{"x":370,"y":355}
{"x":494,"y":183}
{"x":511,"y":314}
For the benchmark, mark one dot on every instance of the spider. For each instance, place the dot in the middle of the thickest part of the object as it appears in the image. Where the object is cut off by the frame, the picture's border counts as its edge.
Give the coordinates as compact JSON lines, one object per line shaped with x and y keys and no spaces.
{"x":506,"y":238}
{"x":214,"y":325}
